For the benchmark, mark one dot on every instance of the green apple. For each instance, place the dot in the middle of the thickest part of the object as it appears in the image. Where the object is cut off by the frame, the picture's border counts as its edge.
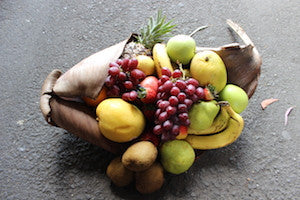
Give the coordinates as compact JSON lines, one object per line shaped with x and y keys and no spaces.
{"x":181,"y":48}
{"x":177,"y":156}
{"x":203,"y":114}
{"x":208,"y":68}
{"x":236,"y":96}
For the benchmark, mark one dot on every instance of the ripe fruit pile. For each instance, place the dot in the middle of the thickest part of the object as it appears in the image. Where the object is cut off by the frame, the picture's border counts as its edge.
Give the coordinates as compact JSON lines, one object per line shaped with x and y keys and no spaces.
{"x":166,"y":99}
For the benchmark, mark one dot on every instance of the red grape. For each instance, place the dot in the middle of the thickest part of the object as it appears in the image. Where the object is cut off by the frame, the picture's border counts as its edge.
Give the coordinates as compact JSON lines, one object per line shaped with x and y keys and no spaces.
{"x":173,"y":101}
{"x":190,"y":89}
{"x":175,"y":130}
{"x":122,"y":76}
{"x":157,"y":130}
{"x":177,"y":73}
{"x":113,"y":64}
{"x":133,"y":95}
{"x":125,"y":96}
{"x":137,"y":74}
{"x":164,"y":96}
{"x":167,"y":125}
{"x":181,"y":97}
{"x":171,"y":110}
{"x":167,"y":86}
{"x":161,"y":88}
{"x":159,"y":83}
{"x":128,"y":85}
{"x":157,"y":112}
{"x":163,"y":117}
{"x":183,"y":116}
{"x":186,"y":122}
{"x":193,"y":82}
{"x":188,"y":103}
{"x":180,"y":84}
{"x":113,"y":71}
{"x":132,"y":64}
{"x":166,"y":71}
{"x":119,"y":62}
{"x":164,"y":78}
{"x":200,"y":92}
{"x":163,"y":105}
{"x":194,"y":98}
{"x":125,"y":64}
{"x":174,"y":91}
{"x":110,"y":81}
{"x":182,"y":108}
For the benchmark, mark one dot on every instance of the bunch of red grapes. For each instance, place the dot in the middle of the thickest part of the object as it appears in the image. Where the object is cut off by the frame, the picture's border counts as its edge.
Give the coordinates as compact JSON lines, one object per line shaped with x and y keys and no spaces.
{"x":123,"y":79}
{"x":175,"y":98}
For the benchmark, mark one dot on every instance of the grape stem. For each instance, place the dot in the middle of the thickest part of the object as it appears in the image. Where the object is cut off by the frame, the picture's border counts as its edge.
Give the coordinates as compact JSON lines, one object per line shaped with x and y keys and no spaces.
{"x":197,"y":30}
{"x":181,"y":69}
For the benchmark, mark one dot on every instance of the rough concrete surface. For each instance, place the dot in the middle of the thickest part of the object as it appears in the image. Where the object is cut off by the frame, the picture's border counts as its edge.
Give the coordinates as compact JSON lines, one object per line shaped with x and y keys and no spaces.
{"x":38,"y":161}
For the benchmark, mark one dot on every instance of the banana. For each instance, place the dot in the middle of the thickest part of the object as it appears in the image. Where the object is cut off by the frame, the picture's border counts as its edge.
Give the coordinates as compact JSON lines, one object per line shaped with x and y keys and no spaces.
{"x":219,"y":124}
{"x":227,"y":136}
{"x":161,"y":58}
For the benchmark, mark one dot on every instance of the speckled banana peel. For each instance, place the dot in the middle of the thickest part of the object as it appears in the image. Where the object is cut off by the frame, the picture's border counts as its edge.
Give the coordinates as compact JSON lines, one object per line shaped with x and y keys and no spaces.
{"x":219,"y":124}
{"x":161,"y":58}
{"x":225,"y":137}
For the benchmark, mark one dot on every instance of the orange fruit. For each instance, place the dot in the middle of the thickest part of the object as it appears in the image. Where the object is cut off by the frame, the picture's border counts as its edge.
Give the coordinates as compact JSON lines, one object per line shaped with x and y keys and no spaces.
{"x":94,"y":102}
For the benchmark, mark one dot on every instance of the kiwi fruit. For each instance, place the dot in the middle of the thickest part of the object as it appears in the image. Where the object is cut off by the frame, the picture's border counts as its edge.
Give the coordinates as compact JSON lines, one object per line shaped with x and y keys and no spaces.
{"x":119,"y":175}
{"x":150,"y":180}
{"x":139,"y":156}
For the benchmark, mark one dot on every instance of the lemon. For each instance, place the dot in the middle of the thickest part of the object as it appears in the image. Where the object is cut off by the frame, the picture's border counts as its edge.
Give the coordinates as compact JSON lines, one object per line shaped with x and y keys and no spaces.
{"x":145,"y":64}
{"x":119,"y":120}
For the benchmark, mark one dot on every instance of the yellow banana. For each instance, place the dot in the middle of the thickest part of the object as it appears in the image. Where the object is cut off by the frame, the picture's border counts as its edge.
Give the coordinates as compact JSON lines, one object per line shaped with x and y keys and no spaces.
{"x":219,"y":124}
{"x":221,"y":139}
{"x":161,"y":58}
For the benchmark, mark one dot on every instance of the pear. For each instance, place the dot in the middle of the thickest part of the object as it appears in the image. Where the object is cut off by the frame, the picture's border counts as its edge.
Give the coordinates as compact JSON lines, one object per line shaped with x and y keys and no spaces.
{"x":203,"y":114}
{"x":177,"y":156}
{"x":208,"y":68}
{"x":181,"y":48}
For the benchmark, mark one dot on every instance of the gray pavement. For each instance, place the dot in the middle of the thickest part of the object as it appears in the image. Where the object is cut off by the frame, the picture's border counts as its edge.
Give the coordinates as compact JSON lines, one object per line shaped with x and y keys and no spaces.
{"x":38,"y":161}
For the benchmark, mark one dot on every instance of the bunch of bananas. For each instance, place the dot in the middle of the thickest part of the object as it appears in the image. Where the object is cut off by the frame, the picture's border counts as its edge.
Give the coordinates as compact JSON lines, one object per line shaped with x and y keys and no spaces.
{"x":226,"y":128}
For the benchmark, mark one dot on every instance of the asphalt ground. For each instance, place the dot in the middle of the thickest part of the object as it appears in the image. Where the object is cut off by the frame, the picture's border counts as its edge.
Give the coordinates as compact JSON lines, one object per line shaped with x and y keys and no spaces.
{"x":38,"y":161}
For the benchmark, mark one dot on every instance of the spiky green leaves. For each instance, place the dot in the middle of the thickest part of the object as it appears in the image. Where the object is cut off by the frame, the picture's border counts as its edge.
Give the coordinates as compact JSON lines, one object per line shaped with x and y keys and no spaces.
{"x":155,"y":31}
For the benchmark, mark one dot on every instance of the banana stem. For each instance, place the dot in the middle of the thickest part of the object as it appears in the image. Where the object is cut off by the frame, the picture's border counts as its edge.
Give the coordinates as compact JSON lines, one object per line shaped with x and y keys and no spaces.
{"x":198,"y":29}
{"x":223,"y":103}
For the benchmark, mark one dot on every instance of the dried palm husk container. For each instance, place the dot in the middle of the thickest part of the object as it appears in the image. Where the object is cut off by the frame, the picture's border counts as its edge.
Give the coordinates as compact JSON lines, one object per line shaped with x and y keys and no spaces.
{"x":87,"y":78}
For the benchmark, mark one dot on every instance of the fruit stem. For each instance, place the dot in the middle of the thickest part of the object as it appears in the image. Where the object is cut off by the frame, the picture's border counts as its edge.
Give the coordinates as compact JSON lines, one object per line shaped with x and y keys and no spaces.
{"x":181,"y":69}
{"x":223,"y":103}
{"x":198,"y":29}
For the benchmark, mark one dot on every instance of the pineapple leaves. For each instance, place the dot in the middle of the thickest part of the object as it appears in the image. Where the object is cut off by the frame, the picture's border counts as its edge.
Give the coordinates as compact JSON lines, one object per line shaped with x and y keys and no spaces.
{"x":155,"y":31}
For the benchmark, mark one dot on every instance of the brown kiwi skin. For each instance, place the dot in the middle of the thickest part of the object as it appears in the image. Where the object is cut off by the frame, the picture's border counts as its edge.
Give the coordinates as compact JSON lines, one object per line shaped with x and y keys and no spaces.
{"x":119,"y":175}
{"x":140,"y":156}
{"x":150,"y":180}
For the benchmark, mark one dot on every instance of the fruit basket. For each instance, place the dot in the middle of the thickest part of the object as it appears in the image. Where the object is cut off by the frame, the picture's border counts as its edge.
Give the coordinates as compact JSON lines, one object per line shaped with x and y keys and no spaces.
{"x":152,"y":104}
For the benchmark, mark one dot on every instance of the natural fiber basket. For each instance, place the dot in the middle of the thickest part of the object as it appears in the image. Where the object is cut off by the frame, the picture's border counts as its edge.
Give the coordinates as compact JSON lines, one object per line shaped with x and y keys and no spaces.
{"x":87,"y":78}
